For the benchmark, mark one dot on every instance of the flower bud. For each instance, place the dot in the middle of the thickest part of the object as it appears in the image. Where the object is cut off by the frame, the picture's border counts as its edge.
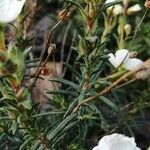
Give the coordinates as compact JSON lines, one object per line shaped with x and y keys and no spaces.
{"x":109,"y":10}
{"x":91,"y":13}
{"x":118,"y":9}
{"x":119,"y":29}
{"x":127,"y":29}
{"x":121,"y":26}
{"x":91,"y":10}
{"x":133,"y":9}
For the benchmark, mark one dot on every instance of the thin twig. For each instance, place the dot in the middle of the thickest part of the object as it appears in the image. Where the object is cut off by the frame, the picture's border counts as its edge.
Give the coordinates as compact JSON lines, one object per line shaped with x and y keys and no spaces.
{"x":111,"y":131}
{"x":70,"y":52}
{"x":48,"y":43}
{"x":63,"y":44}
{"x":126,"y":106}
{"x":136,"y":30}
{"x":40,"y":69}
{"x":134,"y":79}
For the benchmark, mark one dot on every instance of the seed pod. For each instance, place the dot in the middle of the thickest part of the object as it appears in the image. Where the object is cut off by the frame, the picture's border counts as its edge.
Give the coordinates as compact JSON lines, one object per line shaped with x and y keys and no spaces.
{"x":133,"y":54}
{"x":63,"y":15}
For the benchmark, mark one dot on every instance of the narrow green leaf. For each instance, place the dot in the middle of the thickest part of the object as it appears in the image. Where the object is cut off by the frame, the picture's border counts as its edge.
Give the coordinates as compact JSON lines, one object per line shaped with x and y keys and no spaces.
{"x":41,"y":148}
{"x":76,"y":73}
{"x":23,"y":146}
{"x":48,"y":113}
{"x":109,"y":103}
{"x":71,"y":107}
{"x":60,"y":127}
{"x":14,"y":127}
{"x":36,"y":145}
{"x":66,"y":82}
{"x":61,"y":92}
{"x":61,"y":134}
{"x":77,"y":4}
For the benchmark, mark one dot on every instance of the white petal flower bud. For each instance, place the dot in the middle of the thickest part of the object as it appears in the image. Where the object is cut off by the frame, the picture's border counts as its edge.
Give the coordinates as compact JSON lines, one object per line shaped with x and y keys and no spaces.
{"x":109,"y":10}
{"x":127,"y":29}
{"x":134,"y":9}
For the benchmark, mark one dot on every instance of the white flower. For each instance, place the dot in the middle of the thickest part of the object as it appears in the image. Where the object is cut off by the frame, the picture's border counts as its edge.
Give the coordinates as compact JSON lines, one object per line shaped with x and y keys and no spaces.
{"x":134,"y":9}
{"x":116,"y":142}
{"x":122,"y":57}
{"x":10,"y":9}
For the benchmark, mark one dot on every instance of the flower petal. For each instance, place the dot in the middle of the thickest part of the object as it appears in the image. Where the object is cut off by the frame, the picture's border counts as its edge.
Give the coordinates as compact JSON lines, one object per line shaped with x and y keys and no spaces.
{"x":133,"y":64}
{"x":110,"y":1}
{"x":10,"y":10}
{"x":121,"y":56}
{"x":112,"y":59}
{"x":116,"y":142}
{"x":96,"y":148}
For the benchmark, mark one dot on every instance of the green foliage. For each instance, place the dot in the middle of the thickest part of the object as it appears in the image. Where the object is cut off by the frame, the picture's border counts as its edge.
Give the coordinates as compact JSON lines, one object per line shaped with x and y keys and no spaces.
{"x":85,"y":107}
